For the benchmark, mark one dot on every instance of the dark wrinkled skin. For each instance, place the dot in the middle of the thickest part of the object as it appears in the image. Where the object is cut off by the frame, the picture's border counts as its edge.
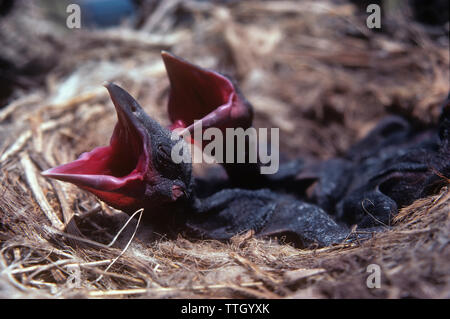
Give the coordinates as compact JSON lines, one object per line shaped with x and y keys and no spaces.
{"x":394,"y":165}
{"x":234,"y":211}
{"x":390,"y":168}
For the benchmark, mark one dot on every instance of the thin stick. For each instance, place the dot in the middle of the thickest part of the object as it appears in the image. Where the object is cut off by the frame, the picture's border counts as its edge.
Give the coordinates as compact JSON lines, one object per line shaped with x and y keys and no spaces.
{"x":25,"y":136}
{"x":65,"y":262}
{"x":14,"y":105}
{"x":69,"y":223}
{"x":85,"y":240}
{"x":31,"y":178}
{"x":16,"y":146}
{"x":129,"y":242}
{"x":102,"y":293}
{"x":164,"y":9}
{"x":76,"y":100}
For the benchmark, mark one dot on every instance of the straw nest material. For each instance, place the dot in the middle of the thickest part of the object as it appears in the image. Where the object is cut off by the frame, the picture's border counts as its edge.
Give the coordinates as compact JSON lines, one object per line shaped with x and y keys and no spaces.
{"x":311,"y":68}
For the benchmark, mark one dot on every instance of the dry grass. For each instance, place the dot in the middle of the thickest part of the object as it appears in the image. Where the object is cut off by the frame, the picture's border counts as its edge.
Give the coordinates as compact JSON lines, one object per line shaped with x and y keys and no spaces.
{"x":312,"y":69}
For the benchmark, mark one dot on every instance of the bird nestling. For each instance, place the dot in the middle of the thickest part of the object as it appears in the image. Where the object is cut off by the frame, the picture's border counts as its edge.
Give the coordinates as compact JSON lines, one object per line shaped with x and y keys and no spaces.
{"x":135,"y":170}
{"x":388,"y":169}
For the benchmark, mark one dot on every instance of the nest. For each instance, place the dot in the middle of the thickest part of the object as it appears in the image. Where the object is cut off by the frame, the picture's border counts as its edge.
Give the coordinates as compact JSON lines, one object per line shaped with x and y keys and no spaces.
{"x":311,"y":68}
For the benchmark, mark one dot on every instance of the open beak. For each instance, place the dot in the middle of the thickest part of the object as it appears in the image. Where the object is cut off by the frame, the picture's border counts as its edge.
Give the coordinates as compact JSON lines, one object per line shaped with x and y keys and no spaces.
{"x":117,"y":168}
{"x":203,"y":95}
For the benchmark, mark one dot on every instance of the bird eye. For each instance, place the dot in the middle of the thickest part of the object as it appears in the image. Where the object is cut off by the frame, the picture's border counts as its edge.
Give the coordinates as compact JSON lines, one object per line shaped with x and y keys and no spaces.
{"x":133,"y":107}
{"x":164,"y":151}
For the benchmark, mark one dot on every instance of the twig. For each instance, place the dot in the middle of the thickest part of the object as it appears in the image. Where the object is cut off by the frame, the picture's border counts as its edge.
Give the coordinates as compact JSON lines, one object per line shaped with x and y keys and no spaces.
{"x":17,"y":146}
{"x":129,"y":242}
{"x":25,"y":136}
{"x":164,"y":9}
{"x":10,"y":108}
{"x":68,"y":214}
{"x":138,"y":38}
{"x":262,"y":275}
{"x":30,"y":175}
{"x":104,"y":293}
{"x":76,"y":100}
{"x":116,"y":275}
{"x":65,"y":262}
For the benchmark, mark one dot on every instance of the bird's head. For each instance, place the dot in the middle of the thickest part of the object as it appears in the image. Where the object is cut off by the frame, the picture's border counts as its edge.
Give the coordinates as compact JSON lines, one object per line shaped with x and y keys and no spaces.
{"x":136,"y":170}
{"x":206,"y":95}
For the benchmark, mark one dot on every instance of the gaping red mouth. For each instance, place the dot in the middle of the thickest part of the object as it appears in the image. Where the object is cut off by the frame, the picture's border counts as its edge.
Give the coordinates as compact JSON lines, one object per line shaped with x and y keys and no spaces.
{"x":199,"y":94}
{"x":112,"y":167}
